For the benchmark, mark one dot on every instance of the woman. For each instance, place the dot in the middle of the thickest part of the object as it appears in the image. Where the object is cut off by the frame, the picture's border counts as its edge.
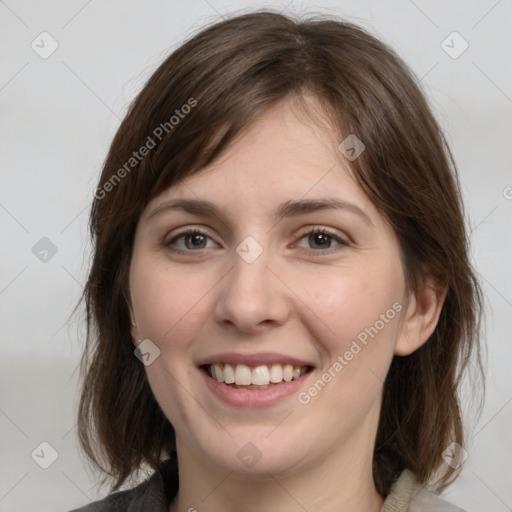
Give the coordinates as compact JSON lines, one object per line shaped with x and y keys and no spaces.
{"x":280,"y":305}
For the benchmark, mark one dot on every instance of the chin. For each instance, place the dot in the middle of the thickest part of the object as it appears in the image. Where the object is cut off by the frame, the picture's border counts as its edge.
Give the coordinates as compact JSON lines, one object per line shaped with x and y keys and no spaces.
{"x":255,"y":456}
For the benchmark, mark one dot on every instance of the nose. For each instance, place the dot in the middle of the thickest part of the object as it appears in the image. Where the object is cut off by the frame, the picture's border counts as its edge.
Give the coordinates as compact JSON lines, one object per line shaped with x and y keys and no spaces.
{"x":252,"y":296}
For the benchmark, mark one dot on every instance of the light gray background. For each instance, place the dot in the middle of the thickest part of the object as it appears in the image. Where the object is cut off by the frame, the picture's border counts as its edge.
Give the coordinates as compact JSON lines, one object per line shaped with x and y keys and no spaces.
{"x":58,"y":117}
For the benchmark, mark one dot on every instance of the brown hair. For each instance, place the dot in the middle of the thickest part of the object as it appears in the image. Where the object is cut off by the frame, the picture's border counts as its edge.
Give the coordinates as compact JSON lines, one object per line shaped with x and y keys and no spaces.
{"x":227,"y":75}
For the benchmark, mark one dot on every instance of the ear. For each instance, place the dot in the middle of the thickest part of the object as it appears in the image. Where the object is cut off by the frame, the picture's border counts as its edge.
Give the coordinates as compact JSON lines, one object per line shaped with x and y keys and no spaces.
{"x":421,"y":317}
{"x":133,"y":324}
{"x":135,"y":333}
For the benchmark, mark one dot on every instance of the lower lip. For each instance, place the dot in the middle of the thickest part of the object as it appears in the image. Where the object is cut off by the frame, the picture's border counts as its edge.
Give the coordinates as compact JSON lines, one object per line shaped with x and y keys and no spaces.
{"x":254,"y":397}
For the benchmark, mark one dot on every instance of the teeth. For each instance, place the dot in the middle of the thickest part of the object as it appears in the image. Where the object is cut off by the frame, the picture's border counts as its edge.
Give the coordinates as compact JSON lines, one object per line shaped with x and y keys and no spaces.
{"x":287,"y":372}
{"x":243,"y":375}
{"x":260,"y":376}
{"x":218,"y":373}
{"x":276,"y":373}
{"x":229,"y":374}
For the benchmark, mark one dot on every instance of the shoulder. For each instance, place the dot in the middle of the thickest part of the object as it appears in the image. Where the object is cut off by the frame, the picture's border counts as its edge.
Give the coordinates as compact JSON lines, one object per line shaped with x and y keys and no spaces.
{"x":155,"y":494}
{"x":408,"y":495}
{"x":117,"y":502}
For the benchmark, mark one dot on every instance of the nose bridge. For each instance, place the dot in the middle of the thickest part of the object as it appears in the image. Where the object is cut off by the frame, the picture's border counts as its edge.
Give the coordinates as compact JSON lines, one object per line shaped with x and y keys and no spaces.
{"x":251,"y":294}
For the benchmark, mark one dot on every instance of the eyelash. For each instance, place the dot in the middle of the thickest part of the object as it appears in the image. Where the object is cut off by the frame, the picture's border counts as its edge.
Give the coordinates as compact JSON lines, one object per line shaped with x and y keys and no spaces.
{"x":313,"y":231}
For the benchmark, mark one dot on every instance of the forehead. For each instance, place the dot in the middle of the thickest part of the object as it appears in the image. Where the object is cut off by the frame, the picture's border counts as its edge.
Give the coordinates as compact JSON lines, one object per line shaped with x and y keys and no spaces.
{"x":284,"y":154}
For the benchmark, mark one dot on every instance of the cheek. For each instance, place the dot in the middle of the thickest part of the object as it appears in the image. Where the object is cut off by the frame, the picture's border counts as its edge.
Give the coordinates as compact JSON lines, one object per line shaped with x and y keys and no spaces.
{"x":168,"y":309}
{"x":167,"y":303}
{"x":349,"y":303}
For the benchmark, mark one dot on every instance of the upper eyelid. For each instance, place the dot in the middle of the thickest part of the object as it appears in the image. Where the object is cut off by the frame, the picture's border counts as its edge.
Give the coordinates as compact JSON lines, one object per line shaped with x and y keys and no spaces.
{"x":303,"y":231}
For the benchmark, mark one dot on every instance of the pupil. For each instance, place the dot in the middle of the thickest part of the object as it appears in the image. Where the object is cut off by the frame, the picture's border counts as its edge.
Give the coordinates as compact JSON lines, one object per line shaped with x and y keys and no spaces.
{"x":196,"y":238}
{"x":320,"y":239}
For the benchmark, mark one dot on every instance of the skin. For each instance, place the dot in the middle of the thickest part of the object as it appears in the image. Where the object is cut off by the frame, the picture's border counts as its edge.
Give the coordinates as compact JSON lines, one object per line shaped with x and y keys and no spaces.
{"x":303,"y":296}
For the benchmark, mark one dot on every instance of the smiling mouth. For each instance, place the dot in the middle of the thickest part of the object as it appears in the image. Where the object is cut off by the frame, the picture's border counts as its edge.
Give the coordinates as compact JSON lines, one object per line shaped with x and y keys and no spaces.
{"x":241,"y":376}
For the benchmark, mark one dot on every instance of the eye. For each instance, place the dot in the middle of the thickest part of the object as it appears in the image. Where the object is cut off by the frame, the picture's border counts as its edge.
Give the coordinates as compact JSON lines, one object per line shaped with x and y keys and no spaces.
{"x":193,"y":239}
{"x":323,"y":238}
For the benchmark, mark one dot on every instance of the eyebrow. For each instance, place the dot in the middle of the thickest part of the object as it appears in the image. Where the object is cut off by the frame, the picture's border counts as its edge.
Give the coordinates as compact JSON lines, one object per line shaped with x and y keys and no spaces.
{"x":289,"y":209}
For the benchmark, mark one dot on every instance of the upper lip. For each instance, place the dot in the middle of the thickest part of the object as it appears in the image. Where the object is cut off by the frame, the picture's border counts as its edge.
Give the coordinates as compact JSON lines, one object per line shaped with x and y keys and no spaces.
{"x":253,"y":359}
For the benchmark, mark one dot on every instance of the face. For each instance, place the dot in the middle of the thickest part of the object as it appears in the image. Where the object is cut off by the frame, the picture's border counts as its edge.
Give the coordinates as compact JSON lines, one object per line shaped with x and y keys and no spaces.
{"x":262,"y":280}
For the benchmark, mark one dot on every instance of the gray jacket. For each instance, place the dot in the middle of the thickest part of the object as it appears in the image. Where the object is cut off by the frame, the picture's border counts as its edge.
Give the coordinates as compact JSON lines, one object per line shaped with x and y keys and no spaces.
{"x":157,"y":493}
